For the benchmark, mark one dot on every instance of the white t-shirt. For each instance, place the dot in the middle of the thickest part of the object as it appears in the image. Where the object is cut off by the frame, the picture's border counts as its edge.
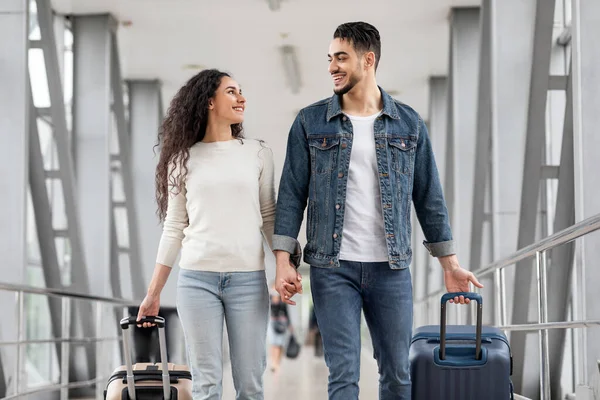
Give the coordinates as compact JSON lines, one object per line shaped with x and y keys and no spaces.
{"x":226,"y":206}
{"x":363,"y":234}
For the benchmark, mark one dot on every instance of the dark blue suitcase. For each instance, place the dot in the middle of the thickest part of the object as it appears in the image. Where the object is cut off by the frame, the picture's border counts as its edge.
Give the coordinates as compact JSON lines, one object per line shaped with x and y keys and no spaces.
{"x":460,"y":362}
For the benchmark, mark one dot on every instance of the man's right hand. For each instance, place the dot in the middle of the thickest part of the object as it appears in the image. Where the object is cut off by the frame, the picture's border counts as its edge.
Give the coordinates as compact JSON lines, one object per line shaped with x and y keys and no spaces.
{"x":288,"y":280}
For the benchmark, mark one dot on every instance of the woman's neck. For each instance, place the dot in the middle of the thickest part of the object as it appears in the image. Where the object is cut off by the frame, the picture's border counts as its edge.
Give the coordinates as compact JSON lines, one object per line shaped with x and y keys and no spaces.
{"x":216,"y":132}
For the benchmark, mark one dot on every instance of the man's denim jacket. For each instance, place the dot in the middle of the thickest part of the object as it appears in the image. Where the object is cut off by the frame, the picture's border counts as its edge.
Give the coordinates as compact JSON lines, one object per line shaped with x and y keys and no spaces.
{"x":316,"y":171}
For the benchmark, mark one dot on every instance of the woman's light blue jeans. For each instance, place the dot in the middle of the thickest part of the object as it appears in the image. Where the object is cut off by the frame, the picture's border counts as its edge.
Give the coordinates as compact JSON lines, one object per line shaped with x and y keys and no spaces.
{"x":241,"y":299}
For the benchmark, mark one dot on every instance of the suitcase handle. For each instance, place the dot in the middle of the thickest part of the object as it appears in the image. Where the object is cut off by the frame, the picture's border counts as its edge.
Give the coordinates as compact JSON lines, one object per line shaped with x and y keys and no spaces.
{"x":160,"y":323}
{"x":471,"y":296}
{"x":467,"y":295}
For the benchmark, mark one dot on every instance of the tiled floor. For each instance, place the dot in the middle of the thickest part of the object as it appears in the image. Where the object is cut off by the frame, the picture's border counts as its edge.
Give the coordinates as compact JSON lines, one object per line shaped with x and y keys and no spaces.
{"x":305,"y":378}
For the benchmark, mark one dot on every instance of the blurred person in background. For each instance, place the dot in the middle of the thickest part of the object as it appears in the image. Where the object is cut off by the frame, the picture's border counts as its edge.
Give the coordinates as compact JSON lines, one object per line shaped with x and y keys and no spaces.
{"x":279,"y":327}
{"x":314,"y":335}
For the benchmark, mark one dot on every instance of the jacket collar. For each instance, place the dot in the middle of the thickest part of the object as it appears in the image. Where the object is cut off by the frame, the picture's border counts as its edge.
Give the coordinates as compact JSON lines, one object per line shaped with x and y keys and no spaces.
{"x":334,"y":108}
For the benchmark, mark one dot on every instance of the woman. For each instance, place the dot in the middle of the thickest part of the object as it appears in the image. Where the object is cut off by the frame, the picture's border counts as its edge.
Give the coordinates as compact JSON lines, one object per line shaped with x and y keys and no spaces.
{"x":216,"y":197}
{"x":278,"y":329}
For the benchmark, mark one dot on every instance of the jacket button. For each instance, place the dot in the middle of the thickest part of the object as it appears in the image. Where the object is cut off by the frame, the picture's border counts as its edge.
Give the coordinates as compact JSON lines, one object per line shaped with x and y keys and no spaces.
{"x":335,"y":236}
{"x":344,"y":118}
{"x":337,"y":206}
{"x":341,"y":175}
{"x":344,"y":145}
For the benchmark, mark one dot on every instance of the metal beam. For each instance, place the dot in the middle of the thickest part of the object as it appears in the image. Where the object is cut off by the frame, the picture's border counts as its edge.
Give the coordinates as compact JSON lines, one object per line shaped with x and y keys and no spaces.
{"x":483,"y":137}
{"x":557,"y":82}
{"x":79,"y":276}
{"x":513,"y":18}
{"x":534,"y":149}
{"x":92,"y":133}
{"x":483,"y":140}
{"x":43,"y":222}
{"x":511,"y":62}
{"x":3,"y":391}
{"x":138,"y":287}
{"x":561,"y":265}
{"x":550,"y":171}
{"x":438,"y":124}
{"x":115,"y":276}
{"x":449,"y":172}
{"x":145,"y":115}
{"x":14,"y":152}
{"x":464,"y":61}
{"x":586,"y":119}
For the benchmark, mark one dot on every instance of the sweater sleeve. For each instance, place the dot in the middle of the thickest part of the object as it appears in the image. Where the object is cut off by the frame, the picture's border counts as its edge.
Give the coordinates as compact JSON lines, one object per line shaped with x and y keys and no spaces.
{"x":176,"y":221}
{"x":267,"y":193}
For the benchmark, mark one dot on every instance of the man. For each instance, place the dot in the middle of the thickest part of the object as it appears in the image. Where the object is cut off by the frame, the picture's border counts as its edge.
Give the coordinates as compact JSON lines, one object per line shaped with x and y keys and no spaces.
{"x":358,"y":159}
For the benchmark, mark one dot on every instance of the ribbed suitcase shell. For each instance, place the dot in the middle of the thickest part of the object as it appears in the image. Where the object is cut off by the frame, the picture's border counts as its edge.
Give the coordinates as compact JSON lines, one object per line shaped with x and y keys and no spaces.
{"x":151,"y":387}
{"x":462,"y":377}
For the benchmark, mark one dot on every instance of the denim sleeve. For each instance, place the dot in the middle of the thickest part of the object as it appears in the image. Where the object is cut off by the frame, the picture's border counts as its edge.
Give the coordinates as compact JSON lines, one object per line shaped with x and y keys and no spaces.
{"x":428,"y":199}
{"x":293,"y":192}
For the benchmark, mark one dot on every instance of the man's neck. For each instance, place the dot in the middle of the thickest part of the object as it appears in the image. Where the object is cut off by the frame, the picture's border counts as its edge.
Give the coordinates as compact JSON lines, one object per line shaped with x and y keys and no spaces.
{"x":363,"y":100}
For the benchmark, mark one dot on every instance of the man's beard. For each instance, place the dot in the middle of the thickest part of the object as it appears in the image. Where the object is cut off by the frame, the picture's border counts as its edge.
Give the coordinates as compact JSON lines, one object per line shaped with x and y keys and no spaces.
{"x":352,"y":81}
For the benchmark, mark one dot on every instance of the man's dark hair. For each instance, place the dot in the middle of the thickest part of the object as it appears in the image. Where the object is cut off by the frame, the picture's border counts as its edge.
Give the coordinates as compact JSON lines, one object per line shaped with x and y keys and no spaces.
{"x":363,"y":36}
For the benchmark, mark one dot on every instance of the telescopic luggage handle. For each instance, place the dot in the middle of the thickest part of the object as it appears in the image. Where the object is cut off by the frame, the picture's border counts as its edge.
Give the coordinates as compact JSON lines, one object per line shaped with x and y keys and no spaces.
{"x":160,"y":323}
{"x":467,"y":295}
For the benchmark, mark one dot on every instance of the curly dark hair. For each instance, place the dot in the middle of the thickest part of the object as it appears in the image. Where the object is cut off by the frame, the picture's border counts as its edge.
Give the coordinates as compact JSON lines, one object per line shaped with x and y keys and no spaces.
{"x":184,"y":125}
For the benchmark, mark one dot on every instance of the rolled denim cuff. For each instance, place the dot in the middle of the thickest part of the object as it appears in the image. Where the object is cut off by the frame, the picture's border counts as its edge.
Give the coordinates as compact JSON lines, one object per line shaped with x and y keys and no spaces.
{"x":290,"y":245}
{"x":440,"y":249}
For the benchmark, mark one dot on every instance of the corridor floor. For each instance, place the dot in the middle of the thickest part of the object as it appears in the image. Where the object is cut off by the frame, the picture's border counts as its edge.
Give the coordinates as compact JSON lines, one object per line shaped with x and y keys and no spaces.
{"x":305,"y":378}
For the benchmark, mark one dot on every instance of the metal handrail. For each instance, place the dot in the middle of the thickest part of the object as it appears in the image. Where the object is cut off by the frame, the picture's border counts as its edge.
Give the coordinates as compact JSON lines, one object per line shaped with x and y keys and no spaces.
{"x":61,"y":340}
{"x":63,"y":293}
{"x":567,"y":235}
{"x":52,"y":388}
{"x":538,"y":250}
{"x":551,"y":325}
{"x":66,"y":298}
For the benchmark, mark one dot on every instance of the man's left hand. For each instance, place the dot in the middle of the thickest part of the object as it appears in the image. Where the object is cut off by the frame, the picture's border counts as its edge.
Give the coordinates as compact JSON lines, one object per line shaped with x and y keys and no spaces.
{"x":457,"y":279}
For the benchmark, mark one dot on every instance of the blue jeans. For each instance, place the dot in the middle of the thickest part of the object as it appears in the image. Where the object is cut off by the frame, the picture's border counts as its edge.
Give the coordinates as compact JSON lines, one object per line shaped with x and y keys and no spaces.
{"x":241,"y":299}
{"x":385,"y":296}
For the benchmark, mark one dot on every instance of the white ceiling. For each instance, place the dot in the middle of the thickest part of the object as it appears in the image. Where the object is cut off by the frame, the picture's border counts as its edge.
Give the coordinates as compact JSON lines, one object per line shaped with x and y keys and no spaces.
{"x":243,"y":36}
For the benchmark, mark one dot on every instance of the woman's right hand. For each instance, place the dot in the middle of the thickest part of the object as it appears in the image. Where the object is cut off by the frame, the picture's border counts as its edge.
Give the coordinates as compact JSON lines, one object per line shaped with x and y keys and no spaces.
{"x":149,"y":308}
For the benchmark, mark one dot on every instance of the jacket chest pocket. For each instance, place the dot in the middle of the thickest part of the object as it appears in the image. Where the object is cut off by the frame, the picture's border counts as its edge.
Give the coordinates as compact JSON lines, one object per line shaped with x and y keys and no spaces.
{"x":402,"y":153}
{"x":323,"y":153}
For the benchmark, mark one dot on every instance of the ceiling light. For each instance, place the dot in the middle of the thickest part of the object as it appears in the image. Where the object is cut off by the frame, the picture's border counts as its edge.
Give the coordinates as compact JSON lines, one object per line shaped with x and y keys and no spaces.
{"x":194,"y":67}
{"x":274,"y":5}
{"x":291,"y":67}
